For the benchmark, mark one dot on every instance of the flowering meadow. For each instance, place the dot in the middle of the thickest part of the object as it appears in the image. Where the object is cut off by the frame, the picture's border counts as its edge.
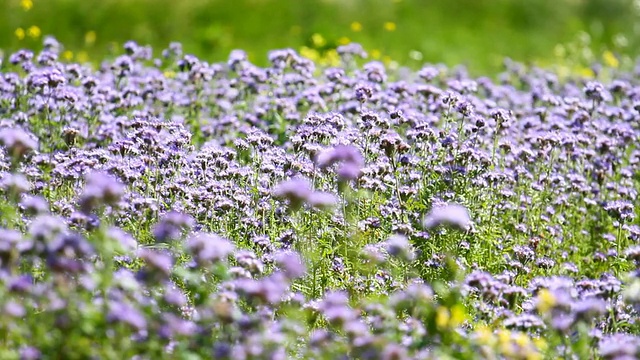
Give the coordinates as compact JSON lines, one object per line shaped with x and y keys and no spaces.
{"x":159,"y":206}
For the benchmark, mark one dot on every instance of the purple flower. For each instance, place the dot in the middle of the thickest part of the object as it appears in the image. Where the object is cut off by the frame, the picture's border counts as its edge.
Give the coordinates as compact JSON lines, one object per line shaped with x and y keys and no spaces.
{"x":65,"y":253}
{"x":399,"y":246}
{"x":619,"y":346}
{"x":322,"y":200}
{"x":45,"y":78}
{"x":45,"y":227}
{"x":596,"y":91}
{"x":349,"y":171}
{"x":100,"y":189}
{"x":290,"y":263}
{"x":14,"y":309}
{"x":296,"y":191}
{"x":620,"y":210}
{"x":30,"y":353}
{"x":15,"y":184}
{"x":351,"y":50}
{"x":127,"y":243}
{"x":345,"y":153}
{"x":209,"y":248}
{"x":11,"y":245}
{"x":126,"y":314}
{"x":268,"y":290}
{"x":157,"y":262}
{"x":454,"y":215}
{"x":175,"y":326}
{"x":34,"y":205}
{"x":394,"y":352}
{"x":17,"y":142}
{"x":172,"y":226}
{"x":589,"y":309}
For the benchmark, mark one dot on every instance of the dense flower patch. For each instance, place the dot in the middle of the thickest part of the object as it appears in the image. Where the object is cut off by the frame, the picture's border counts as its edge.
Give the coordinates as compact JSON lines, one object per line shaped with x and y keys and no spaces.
{"x":170,"y":208}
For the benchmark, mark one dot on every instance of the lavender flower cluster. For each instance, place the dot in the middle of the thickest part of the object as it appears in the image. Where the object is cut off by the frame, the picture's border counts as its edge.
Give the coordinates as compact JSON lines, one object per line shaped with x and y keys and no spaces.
{"x":166,"y":207}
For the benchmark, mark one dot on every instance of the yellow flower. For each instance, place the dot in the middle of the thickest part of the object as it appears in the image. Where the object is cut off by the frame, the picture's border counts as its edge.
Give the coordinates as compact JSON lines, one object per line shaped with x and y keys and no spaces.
{"x":34,"y":32}
{"x":390,"y":26}
{"x":541,"y":344}
{"x":67,"y":55}
{"x":522,"y":340}
{"x":585,"y":72}
{"x":356,"y":26}
{"x":484,"y":335}
{"x":504,"y":336}
{"x":375,"y":54}
{"x":546,"y":300}
{"x":458,"y":315}
{"x":26,"y":4}
{"x":311,"y":54}
{"x":20,"y":33}
{"x":533,"y":355}
{"x":344,"y":40}
{"x":90,"y":37}
{"x":82,"y":57}
{"x":331,"y":58}
{"x":318,"y":40}
{"x":504,"y":340}
{"x":169,"y":74}
{"x":442,"y":317}
{"x":610,"y":59}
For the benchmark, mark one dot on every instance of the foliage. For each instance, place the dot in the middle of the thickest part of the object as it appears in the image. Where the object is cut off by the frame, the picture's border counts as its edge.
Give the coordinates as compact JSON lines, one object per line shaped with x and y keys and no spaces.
{"x":478,"y":34}
{"x":167,"y":207}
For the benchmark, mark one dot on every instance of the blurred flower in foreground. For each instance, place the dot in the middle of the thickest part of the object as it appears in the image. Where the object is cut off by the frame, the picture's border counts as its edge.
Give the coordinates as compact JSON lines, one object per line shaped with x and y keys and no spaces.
{"x":298,"y":191}
{"x":172,"y":226}
{"x":399,"y":247}
{"x":101,"y":189}
{"x":291,"y":264}
{"x":453,"y":215}
{"x":209,"y":248}
{"x":346,"y":153}
{"x":322,"y":200}
{"x":26,"y":5}
{"x":349,"y":156}
{"x":17,"y":141}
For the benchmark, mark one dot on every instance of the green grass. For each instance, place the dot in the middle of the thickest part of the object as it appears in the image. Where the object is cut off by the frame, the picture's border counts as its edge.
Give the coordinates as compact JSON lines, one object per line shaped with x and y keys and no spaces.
{"x":478,"y":34}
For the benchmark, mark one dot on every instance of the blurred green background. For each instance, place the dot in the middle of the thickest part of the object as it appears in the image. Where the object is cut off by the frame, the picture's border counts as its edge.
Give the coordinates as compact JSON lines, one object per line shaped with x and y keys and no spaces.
{"x":475,"y":33}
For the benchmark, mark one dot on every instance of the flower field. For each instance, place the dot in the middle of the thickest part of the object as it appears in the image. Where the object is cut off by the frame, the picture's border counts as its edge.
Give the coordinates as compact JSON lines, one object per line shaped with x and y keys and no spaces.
{"x":160,"y":206}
